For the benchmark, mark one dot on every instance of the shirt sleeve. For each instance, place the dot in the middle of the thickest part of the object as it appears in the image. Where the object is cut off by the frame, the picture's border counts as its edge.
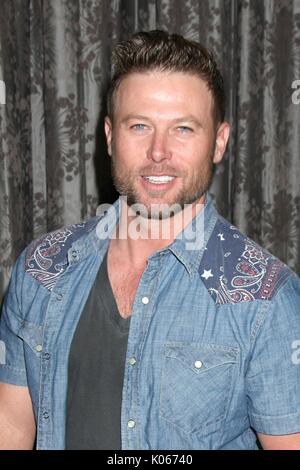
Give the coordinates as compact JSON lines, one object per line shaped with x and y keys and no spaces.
{"x":12,"y":363}
{"x":273,"y":376}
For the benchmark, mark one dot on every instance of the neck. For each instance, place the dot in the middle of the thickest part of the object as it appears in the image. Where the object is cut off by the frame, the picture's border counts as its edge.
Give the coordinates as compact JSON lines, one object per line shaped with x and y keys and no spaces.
{"x":137,"y":238}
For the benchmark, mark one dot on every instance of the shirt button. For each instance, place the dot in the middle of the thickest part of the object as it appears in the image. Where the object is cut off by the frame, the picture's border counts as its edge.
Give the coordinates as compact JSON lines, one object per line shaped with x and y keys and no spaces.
{"x":39,"y":348}
{"x":131,"y":423}
{"x":198,"y":364}
{"x":145,"y":300}
{"x":46,"y":356}
{"x":59,"y":297}
{"x":132,"y":361}
{"x":45,"y":415}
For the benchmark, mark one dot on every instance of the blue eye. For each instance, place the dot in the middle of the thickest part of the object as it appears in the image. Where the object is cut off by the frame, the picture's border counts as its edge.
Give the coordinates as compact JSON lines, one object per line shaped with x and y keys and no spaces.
{"x":184,"y":129}
{"x":139,"y":127}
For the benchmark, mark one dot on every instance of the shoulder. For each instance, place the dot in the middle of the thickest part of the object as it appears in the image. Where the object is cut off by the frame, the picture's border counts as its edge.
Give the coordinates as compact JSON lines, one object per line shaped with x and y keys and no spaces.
{"x":46,"y":258}
{"x":236,"y":269}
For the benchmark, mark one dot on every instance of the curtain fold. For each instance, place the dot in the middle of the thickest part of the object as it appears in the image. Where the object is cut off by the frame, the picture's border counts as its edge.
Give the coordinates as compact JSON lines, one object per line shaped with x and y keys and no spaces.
{"x":55,"y":61}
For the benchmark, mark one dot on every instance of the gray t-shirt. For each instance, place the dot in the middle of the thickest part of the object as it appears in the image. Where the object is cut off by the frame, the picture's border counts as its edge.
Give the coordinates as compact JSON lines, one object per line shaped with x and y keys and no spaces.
{"x":96,"y":371}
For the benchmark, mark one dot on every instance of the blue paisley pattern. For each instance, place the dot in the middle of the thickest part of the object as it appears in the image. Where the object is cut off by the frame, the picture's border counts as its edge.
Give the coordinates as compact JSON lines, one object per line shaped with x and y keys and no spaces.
{"x":46,"y":258}
{"x":235,"y":269}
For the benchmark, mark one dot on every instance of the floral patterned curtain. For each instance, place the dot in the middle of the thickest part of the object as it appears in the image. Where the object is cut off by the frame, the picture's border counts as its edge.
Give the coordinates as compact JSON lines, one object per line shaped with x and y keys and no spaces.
{"x":55,"y":62}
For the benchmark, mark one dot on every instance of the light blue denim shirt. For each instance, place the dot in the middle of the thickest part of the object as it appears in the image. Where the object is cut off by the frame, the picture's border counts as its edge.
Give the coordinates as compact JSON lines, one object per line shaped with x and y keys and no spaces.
{"x":214,"y":333}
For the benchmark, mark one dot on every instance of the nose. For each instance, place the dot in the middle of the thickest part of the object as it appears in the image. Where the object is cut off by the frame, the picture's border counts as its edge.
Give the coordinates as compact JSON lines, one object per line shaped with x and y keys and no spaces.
{"x":159,"y":148}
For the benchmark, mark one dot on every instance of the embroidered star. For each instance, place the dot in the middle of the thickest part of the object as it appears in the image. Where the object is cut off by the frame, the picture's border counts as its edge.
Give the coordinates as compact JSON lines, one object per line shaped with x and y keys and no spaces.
{"x":207,"y":274}
{"x":221,"y":237}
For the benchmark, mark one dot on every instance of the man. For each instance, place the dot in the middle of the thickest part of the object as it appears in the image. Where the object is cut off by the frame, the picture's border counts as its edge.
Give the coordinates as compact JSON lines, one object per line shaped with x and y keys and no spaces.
{"x":161,"y":327}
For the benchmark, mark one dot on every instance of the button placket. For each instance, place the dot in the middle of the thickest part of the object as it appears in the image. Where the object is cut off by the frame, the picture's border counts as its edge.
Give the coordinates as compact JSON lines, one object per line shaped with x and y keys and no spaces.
{"x":131,"y":409}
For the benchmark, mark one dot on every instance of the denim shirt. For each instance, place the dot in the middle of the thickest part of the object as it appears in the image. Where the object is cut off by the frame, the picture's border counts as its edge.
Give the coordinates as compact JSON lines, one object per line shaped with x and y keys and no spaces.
{"x":214,"y":341}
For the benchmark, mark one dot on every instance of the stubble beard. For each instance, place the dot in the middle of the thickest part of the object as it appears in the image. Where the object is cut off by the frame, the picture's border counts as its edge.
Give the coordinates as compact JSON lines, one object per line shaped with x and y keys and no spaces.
{"x":191,"y":192}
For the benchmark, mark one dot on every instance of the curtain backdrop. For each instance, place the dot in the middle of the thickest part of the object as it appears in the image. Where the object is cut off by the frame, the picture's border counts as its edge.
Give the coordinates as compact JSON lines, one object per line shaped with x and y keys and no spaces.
{"x":55,"y":61}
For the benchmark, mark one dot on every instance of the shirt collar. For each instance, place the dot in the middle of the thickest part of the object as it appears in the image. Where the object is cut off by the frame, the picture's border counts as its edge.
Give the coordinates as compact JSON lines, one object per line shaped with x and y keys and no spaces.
{"x":188,"y":246}
{"x":97,"y":238}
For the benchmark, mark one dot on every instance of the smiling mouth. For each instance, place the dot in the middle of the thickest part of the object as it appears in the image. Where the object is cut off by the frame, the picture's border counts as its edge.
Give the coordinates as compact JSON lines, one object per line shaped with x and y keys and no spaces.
{"x":159,"y":179}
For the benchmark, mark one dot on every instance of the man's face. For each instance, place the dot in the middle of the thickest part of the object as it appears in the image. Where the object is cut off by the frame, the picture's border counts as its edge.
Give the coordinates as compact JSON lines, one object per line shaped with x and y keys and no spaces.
{"x":163,"y":140}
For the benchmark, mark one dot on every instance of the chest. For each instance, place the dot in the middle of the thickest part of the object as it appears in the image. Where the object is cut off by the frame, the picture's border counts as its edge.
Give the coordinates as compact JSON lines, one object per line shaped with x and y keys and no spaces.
{"x":124,"y":283}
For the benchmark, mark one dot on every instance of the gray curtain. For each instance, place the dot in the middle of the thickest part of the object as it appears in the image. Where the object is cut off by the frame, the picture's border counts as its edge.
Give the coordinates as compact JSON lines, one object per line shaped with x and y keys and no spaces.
{"x":55,"y":61}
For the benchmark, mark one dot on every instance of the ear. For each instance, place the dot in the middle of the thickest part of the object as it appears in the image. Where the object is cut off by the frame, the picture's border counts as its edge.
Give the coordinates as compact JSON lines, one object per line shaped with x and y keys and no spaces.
{"x":108,"y":133}
{"x":221,"y":141}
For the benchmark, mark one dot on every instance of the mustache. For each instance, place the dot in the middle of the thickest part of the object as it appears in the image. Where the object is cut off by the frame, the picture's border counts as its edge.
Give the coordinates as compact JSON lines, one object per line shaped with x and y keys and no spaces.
{"x":159,"y":169}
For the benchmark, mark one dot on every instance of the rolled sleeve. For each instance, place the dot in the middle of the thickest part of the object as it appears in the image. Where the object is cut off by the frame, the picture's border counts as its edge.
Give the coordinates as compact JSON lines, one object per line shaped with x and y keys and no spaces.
{"x":273,"y":376}
{"x":12,"y":363}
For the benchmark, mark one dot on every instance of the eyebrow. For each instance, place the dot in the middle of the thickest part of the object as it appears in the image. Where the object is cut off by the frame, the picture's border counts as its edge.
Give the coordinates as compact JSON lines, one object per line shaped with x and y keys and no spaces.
{"x":135,"y":116}
{"x":187,"y":119}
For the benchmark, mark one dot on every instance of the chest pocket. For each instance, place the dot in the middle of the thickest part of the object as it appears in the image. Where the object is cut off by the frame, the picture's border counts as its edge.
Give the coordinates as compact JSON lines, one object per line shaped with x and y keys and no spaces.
{"x":196,"y":385}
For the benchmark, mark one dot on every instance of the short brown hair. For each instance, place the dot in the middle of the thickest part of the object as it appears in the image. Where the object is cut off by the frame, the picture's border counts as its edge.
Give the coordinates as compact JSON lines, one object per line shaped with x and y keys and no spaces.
{"x":158,"y":50}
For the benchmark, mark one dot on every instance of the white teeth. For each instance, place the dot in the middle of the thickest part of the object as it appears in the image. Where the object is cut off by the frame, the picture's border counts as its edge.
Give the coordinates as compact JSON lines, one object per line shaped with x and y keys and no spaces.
{"x":159,"y":179}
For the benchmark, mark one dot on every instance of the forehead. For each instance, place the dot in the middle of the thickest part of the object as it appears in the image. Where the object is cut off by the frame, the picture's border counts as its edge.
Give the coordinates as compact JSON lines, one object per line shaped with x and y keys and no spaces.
{"x":163,"y":93}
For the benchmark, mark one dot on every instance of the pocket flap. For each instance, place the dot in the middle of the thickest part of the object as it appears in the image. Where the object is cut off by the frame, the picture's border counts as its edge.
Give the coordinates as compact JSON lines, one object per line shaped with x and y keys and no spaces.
{"x":201,"y":357}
